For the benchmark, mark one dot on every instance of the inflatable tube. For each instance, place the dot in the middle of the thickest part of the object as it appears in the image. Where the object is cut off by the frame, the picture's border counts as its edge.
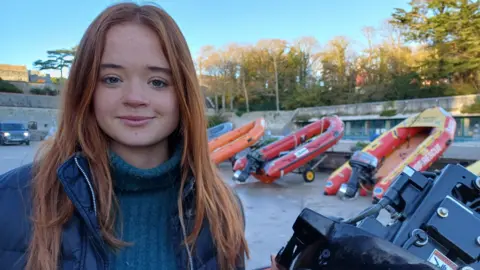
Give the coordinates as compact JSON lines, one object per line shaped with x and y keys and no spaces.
{"x":418,"y":141}
{"x":227,"y":145}
{"x":219,"y":130}
{"x":272,"y":162}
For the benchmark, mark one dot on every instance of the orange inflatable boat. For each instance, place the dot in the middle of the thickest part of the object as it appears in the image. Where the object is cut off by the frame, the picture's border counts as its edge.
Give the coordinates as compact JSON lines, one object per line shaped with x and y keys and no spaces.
{"x":227,"y":145}
{"x":418,"y":141}
{"x":268,"y":164}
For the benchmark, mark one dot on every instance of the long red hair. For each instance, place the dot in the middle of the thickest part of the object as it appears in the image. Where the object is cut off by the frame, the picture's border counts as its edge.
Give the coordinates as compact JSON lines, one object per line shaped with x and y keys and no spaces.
{"x":78,"y":128}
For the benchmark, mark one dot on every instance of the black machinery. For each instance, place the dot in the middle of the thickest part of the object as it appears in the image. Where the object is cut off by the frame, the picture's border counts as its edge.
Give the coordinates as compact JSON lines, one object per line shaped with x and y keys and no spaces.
{"x":435,"y":225}
{"x":255,"y":161}
{"x":363,"y":167}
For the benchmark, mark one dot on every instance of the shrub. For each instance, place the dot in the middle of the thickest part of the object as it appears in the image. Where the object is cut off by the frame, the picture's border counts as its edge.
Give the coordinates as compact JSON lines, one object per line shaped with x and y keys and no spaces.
{"x":7,"y":87}
{"x":240,"y":112}
{"x":473,"y":108}
{"x":388,"y":113}
{"x":216,"y":119}
{"x":44,"y":91}
{"x":359,"y":146}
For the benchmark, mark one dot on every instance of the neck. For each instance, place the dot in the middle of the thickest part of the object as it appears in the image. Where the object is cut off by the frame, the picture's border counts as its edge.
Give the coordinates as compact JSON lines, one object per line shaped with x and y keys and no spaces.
{"x":144,"y":157}
{"x":130,"y":178}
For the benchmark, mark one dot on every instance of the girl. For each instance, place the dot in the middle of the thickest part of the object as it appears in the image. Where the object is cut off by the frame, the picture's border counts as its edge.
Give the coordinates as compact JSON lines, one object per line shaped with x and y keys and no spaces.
{"x":127,"y":182}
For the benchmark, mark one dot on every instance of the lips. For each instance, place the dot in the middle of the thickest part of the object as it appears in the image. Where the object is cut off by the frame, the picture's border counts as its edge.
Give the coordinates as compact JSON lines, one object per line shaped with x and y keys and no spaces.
{"x":135,"y":118}
{"x":135,"y":121}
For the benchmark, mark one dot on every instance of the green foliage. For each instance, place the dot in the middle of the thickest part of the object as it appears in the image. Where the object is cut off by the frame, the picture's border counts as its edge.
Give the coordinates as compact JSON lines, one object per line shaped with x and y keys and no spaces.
{"x":44,"y":91}
{"x":451,"y":30}
{"x":216,"y":119}
{"x":240,"y":112}
{"x":359,"y":146}
{"x":388,"y":113}
{"x":463,"y":89}
{"x":473,"y":108}
{"x":264,"y":142}
{"x":56,"y":80}
{"x":444,"y":61}
{"x":7,"y":87}
{"x":57,"y":60}
{"x":305,"y":97}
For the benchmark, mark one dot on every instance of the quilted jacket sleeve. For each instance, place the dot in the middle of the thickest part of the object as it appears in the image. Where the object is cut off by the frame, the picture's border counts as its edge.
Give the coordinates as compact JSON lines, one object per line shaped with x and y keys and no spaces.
{"x":15,"y":217}
{"x":241,"y":257}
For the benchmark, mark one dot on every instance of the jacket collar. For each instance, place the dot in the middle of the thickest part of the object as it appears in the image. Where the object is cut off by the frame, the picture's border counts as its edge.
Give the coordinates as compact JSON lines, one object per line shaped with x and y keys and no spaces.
{"x":77,"y":180}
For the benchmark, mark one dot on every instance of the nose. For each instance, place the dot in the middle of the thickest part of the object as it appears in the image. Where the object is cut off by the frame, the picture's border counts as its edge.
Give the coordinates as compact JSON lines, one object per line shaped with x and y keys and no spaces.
{"x":135,"y":96}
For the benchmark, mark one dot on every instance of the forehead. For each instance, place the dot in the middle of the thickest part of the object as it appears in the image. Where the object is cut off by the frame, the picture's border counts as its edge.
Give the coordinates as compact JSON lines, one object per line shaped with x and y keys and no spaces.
{"x":132,"y":45}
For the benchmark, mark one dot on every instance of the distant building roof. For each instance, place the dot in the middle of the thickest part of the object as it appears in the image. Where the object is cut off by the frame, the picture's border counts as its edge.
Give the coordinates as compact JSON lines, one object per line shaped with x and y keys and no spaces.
{"x":13,"y":67}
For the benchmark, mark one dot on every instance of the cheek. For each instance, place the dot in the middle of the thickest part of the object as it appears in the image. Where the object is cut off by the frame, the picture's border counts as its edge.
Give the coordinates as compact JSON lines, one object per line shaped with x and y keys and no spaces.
{"x":101,"y":104}
{"x":168,"y":105}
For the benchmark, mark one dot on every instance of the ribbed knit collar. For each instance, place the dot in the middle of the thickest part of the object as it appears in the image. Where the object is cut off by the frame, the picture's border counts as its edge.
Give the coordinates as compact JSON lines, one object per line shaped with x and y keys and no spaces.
{"x":129,"y":178}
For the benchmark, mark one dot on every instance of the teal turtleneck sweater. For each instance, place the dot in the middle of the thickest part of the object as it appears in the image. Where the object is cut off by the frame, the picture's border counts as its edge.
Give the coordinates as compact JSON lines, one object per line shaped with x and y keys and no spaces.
{"x":147,"y":198}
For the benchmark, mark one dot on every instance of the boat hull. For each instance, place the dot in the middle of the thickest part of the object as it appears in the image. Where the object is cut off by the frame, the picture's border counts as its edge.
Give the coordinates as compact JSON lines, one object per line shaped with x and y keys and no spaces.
{"x":219,"y":130}
{"x":322,"y":134}
{"x":405,"y":144}
{"x":227,"y":145}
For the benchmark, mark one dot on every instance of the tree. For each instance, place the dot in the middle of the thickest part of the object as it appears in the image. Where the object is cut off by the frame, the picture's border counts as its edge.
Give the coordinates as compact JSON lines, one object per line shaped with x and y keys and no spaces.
{"x":57,"y":60}
{"x":418,"y":53}
{"x":307,"y":47}
{"x":451,"y":30}
{"x":275,"y":49}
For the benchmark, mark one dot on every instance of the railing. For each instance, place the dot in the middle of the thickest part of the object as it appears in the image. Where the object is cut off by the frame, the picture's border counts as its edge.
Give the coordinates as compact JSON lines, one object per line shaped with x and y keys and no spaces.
{"x":364,"y":134}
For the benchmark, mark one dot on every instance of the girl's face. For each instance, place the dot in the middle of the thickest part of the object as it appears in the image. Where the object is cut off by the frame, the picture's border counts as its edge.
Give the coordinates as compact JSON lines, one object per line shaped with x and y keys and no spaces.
{"x":135,"y":102}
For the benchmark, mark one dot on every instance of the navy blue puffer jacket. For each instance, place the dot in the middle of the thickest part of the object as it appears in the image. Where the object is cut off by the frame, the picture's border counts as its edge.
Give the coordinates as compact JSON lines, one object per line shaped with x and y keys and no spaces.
{"x":82,"y":246}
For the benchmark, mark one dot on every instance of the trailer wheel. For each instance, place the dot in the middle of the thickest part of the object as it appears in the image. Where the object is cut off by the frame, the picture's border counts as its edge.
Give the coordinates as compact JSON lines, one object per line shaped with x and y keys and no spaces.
{"x":308,"y":175}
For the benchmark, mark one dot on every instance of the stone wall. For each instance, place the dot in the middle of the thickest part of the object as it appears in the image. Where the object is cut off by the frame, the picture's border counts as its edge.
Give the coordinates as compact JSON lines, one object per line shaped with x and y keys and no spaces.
{"x":452,"y":104}
{"x":26,"y":86}
{"x":29,"y":108}
{"x":281,"y":122}
{"x":45,"y":118}
{"x":13,"y":73}
{"x":29,"y":101}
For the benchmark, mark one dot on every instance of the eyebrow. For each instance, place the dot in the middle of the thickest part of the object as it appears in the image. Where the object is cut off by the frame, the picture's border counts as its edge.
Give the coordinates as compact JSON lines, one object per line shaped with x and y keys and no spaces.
{"x":151,"y":68}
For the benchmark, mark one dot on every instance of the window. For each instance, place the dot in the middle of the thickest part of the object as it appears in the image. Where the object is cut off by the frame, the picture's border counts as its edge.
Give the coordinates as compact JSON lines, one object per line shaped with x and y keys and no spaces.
{"x":357,"y":128}
{"x":13,"y":126}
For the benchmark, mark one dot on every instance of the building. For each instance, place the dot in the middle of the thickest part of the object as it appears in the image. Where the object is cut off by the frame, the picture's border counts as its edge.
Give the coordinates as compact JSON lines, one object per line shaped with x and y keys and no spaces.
{"x":14,"y":73}
{"x":36,"y":76}
{"x":25,"y":79}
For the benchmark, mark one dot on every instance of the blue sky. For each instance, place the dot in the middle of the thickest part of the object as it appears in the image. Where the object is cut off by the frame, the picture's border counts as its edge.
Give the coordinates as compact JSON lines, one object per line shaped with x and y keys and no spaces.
{"x":28,"y":28}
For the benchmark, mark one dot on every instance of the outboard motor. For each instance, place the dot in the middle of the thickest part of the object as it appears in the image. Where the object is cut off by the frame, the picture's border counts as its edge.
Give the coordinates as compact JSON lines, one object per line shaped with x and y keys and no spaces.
{"x":435,"y":225}
{"x":363,"y":166}
{"x":254,"y":161}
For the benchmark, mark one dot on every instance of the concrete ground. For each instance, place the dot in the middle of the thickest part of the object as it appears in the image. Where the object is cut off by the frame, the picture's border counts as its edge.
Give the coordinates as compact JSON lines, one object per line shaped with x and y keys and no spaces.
{"x":270,"y":209}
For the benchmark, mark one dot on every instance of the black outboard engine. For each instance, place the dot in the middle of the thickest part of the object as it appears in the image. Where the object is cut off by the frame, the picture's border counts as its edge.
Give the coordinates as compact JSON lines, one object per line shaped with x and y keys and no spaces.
{"x":363,"y":166}
{"x":255,"y":161}
{"x":435,"y":225}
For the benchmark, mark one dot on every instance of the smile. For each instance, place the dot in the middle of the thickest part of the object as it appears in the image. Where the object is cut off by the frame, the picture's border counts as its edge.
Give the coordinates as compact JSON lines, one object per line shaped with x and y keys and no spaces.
{"x":135,"y":121}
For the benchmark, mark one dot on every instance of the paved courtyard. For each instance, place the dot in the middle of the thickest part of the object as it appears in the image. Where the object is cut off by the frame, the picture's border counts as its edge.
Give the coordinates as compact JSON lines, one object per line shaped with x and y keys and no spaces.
{"x":270,"y":209}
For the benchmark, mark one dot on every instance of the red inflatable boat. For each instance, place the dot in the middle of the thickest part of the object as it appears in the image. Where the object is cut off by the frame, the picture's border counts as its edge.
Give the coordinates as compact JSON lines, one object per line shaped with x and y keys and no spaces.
{"x":273,"y":161}
{"x":418,"y":141}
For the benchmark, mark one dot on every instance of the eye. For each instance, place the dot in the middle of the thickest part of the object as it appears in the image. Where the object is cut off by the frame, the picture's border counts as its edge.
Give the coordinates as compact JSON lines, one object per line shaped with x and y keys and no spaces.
{"x":111,"y":80}
{"x":158,"y":83}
